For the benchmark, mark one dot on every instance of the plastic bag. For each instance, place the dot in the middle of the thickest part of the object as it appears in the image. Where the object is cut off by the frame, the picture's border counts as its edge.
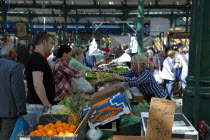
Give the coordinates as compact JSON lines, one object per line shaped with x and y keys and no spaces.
{"x":178,"y":74}
{"x":20,"y":125}
{"x":94,"y":134}
{"x":157,"y":75}
{"x":81,"y":85}
{"x":93,"y":48}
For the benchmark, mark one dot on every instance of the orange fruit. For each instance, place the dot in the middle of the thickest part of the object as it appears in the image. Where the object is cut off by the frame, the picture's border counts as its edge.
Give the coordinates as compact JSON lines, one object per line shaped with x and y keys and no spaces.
{"x":67,"y":126}
{"x":54,"y":127}
{"x":61,"y":134}
{"x":40,"y":127}
{"x":58,"y":124}
{"x":50,"y":124}
{"x":32,"y":134}
{"x":67,"y":132}
{"x":72,"y":128}
{"x":63,"y":124}
{"x":50,"y":133}
{"x":58,"y":121}
{"x":71,"y":134}
{"x":59,"y":129}
{"x":39,"y":134}
{"x":36,"y":131}
{"x":43,"y":132}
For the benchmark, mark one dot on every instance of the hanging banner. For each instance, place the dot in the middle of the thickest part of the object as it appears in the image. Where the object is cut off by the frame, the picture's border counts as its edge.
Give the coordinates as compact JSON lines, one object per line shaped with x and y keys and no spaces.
{"x":21,"y":30}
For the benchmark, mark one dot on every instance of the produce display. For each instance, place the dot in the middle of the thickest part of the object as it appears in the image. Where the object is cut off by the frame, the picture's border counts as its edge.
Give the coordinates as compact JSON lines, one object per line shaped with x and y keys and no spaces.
{"x":58,"y":129}
{"x":74,"y":105}
{"x":144,"y":102}
{"x":112,"y":69}
{"x":64,"y":110}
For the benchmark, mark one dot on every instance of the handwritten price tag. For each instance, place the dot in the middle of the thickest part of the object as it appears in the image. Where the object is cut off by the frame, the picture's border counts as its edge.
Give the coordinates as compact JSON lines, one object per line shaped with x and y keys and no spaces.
{"x":161,"y":117}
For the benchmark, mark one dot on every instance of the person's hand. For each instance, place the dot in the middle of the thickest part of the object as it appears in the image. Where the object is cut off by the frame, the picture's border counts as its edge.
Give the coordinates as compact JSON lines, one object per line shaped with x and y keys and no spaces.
{"x":98,"y":81}
{"x":116,"y":76}
{"x":47,"y":107}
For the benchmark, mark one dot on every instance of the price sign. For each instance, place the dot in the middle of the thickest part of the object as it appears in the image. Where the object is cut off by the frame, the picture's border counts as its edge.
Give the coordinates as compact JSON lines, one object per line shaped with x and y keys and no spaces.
{"x":161,"y":117}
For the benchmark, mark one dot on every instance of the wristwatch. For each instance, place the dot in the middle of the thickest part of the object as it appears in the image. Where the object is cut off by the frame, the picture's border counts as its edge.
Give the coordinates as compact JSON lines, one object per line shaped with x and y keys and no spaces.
{"x":48,"y":106}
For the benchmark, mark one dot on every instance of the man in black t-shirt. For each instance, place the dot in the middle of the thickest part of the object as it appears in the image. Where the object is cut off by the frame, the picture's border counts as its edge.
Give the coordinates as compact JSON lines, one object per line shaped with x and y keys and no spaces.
{"x":40,"y":81}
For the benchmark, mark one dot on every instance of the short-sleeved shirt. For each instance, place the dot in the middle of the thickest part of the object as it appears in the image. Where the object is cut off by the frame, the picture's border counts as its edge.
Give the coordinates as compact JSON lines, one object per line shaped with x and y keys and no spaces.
{"x":63,"y":74}
{"x":37,"y":62}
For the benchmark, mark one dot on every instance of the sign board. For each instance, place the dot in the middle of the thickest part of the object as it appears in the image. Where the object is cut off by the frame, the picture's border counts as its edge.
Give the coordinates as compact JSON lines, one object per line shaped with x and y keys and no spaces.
{"x":161,"y":117}
{"x":21,"y":30}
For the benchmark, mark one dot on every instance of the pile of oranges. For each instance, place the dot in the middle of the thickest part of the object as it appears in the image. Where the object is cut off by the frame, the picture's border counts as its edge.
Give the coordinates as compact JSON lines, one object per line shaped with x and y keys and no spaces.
{"x":58,"y":129}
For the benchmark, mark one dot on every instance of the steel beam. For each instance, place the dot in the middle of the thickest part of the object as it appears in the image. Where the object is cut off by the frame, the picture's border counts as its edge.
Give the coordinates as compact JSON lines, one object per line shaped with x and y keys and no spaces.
{"x":94,"y":15}
{"x":117,"y":7}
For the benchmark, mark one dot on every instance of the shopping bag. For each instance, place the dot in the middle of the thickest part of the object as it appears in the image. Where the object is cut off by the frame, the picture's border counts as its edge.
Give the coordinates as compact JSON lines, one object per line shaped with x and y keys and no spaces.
{"x":20,"y":125}
{"x":157,"y":75}
{"x":178,"y":74}
{"x":81,"y":85}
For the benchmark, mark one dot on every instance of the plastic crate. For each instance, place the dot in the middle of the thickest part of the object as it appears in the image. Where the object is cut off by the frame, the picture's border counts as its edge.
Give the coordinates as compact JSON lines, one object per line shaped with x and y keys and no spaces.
{"x":50,"y":118}
{"x":206,"y":132}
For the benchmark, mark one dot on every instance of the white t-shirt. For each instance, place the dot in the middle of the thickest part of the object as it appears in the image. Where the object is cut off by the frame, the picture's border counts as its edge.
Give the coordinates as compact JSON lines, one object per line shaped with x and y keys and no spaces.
{"x":185,"y":60}
{"x":169,"y":69}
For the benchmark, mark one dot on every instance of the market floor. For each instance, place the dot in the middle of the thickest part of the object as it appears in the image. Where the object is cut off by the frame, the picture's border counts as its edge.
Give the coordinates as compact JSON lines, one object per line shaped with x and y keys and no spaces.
{"x":179,"y":102}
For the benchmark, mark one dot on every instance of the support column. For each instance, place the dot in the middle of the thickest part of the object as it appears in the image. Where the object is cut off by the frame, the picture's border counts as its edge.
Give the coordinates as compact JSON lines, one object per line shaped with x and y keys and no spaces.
{"x":30,"y":25}
{"x":124,"y":18}
{"x":187,"y":18}
{"x":65,"y":27}
{"x":124,"y":29}
{"x":196,"y":97}
{"x":140,"y":24}
{"x":76,"y":37}
{"x":4,"y":20}
{"x":171,"y":20}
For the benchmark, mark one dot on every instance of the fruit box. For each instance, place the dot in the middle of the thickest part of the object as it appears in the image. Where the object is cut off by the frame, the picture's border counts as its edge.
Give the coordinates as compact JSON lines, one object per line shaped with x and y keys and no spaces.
{"x":108,"y":110}
{"x":108,"y":91}
{"x":52,"y":118}
{"x":119,"y":137}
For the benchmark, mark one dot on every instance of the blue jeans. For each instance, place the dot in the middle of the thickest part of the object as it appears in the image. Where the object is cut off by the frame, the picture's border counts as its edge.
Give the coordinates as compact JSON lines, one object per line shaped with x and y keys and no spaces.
{"x":34,"y":112}
{"x":183,"y":79}
{"x":169,"y":85}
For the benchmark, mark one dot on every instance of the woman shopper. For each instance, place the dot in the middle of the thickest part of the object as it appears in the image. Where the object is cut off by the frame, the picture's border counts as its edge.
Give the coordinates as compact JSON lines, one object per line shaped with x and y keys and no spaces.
{"x":77,"y":54}
{"x":141,"y":77}
{"x":169,"y":71}
{"x":63,"y":73}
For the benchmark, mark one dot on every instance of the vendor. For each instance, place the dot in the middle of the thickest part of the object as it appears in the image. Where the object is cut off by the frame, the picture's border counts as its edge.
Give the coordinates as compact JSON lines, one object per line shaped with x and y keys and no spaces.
{"x":141,"y":77}
{"x":125,"y":57}
{"x":77,"y":54}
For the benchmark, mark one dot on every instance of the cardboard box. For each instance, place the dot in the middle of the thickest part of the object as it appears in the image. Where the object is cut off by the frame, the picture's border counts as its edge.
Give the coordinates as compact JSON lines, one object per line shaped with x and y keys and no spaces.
{"x":79,"y":134}
{"x":160,"y":121}
{"x":137,"y":95}
{"x":108,"y":110}
{"x":118,"y":137}
{"x":108,"y":91}
{"x":182,"y":128}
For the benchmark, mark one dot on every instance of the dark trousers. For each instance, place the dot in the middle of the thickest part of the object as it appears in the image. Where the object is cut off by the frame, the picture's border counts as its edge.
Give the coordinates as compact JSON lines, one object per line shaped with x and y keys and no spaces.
{"x":6,"y":127}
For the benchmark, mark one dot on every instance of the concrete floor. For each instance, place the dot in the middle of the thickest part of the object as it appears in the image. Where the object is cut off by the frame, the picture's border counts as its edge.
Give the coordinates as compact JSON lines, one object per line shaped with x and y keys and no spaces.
{"x":179,"y":102}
